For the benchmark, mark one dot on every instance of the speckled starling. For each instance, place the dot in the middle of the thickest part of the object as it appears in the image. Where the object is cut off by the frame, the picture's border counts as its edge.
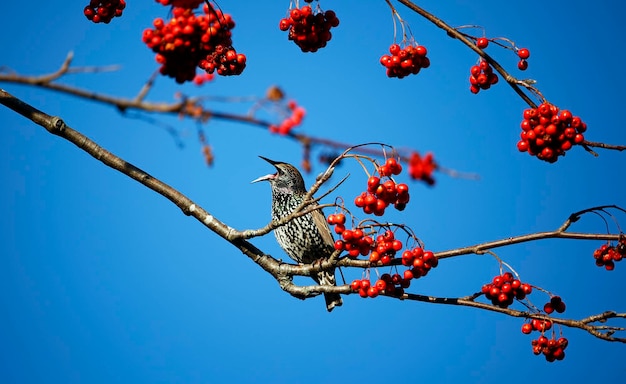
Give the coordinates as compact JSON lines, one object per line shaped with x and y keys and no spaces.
{"x":307,"y":238}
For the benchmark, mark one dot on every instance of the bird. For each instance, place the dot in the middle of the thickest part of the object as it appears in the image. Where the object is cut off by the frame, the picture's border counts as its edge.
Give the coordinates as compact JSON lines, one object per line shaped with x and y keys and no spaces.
{"x":304,"y":239}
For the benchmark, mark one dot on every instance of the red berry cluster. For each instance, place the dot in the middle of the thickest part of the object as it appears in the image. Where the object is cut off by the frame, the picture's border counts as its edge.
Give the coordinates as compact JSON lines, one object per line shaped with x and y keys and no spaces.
{"x":394,"y":285}
{"x":555,"y":304}
{"x":523,"y":54}
{"x":421,"y":262}
{"x":291,"y":121}
{"x":100,"y":11}
{"x":381,"y":250}
{"x":203,"y":78}
{"x":390,"y":285}
{"x":225,"y":60}
{"x":308,"y":28}
{"x":187,"y":41}
{"x":536,"y":325}
{"x":391,"y":167}
{"x":380,"y":195}
{"x":553,"y":349}
{"x":385,"y":248}
{"x":548,"y":133}
{"x":352,"y":240}
{"x":405,"y":61}
{"x":421,"y":168}
{"x":482,"y":77}
{"x":193,"y":4}
{"x":607,"y":255}
{"x":504,"y":289}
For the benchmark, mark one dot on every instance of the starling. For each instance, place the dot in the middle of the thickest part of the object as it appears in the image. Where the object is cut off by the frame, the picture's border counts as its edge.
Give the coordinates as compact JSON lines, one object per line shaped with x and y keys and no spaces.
{"x":307,"y":238}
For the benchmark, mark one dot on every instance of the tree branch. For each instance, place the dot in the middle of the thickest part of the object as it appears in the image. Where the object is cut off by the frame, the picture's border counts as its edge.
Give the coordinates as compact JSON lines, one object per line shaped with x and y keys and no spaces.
{"x":454,"y":33}
{"x":283,"y":272}
{"x":512,"y":81}
{"x":188,"y":107}
{"x":600,"y":331}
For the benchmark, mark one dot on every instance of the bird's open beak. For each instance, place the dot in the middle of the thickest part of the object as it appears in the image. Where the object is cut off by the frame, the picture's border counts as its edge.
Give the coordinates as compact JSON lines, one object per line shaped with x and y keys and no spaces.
{"x":263,"y":178}
{"x":269,"y":161}
{"x":267,"y":177}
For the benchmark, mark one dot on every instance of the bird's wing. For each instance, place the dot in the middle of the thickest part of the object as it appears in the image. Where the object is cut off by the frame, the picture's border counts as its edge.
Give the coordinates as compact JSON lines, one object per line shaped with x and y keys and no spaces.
{"x":320,"y":222}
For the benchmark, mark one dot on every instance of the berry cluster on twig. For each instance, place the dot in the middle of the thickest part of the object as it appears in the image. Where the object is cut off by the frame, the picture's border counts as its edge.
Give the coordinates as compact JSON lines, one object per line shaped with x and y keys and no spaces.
{"x":99,"y":11}
{"x":309,"y":28}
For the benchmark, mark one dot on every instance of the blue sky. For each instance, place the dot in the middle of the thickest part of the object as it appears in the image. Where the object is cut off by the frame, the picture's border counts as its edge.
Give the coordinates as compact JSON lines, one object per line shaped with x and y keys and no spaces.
{"x":102,"y":280}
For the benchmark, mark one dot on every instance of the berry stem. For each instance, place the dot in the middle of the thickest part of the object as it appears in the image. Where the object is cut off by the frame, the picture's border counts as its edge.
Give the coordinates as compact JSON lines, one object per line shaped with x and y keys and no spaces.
{"x":452,"y":32}
{"x":603,"y":332}
{"x":595,"y":144}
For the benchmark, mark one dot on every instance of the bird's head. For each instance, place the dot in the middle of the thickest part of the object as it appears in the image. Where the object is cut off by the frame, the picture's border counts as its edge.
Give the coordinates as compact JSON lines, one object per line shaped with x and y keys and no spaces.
{"x":286,"y":179}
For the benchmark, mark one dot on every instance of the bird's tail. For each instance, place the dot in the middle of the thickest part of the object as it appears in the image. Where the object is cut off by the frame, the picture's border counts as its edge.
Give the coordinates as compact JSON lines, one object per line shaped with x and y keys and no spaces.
{"x":332,"y":299}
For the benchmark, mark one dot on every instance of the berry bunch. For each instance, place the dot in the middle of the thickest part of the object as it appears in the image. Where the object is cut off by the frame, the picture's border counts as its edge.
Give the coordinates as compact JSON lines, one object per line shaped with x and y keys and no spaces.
{"x":193,"y":4}
{"x":548,"y":133}
{"x":381,"y":250}
{"x":552,"y":349}
{"x":391,"y":167}
{"x":291,"y":121}
{"x":405,"y":61}
{"x":482,"y":77}
{"x":385,"y":248}
{"x":100,"y":11}
{"x":225,"y":60}
{"x":390,"y":285}
{"x":203,"y":78}
{"x":555,"y":304}
{"x":338,"y":220}
{"x":421,"y":262}
{"x":187,"y":41}
{"x":504,"y":289}
{"x":523,"y":54}
{"x":380,"y":194}
{"x":536,"y":325}
{"x":308,"y":28}
{"x":421,"y":168}
{"x":362,"y":286}
{"x":607,"y":255}
{"x":352,"y":240}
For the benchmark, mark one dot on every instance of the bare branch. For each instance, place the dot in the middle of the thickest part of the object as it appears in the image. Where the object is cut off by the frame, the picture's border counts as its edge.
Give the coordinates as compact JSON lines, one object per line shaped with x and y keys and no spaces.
{"x":187,"y":107}
{"x":600,"y":331}
{"x":57,"y":127}
{"x":604,"y":145}
{"x":283,"y":272}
